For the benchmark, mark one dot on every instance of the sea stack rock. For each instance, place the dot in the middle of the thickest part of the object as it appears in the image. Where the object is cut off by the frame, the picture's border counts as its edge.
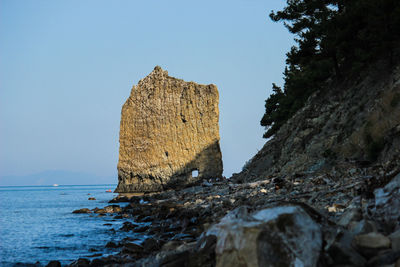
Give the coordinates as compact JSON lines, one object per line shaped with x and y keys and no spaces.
{"x":169,"y":135}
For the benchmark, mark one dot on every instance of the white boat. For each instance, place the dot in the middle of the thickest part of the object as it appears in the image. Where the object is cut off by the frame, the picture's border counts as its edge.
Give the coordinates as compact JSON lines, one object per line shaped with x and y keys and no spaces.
{"x":55,"y":184}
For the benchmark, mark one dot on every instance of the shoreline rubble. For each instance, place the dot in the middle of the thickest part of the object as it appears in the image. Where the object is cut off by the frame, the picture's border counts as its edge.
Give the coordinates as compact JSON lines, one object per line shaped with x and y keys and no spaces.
{"x":351,"y":211}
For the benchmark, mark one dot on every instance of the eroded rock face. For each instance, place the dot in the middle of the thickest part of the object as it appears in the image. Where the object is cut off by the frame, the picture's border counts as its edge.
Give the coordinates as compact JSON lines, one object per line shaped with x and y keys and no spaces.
{"x":169,"y":134}
{"x":355,"y":121}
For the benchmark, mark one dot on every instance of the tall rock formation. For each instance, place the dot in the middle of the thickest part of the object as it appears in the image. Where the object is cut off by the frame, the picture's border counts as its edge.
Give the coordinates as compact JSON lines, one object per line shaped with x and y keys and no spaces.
{"x":169,"y":134}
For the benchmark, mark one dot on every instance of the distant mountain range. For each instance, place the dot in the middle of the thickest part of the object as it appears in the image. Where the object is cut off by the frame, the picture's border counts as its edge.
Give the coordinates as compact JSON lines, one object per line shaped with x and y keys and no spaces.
{"x":60,"y":177}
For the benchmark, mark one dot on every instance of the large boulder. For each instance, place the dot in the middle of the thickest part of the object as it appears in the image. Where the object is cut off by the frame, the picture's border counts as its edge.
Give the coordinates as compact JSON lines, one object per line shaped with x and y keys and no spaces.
{"x":278,"y":236}
{"x":169,"y":135}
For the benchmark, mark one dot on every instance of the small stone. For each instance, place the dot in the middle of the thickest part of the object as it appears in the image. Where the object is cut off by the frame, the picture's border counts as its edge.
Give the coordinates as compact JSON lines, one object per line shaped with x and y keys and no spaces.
{"x":372,"y":240}
{"x":119,"y":198}
{"x":362,"y":227}
{"x":171,"y":245}
{"x":151,"y":244}
{"x":54,"y":264}
{"x":113,"y":209}
{"x":95,"y":255}
{"x":81,"y":262}
{"x":108,"y":209}
{"x":112,"y":245}
{"x":199,"y":201}
{"x":350,"y":215}
{"x":141,"y":229}
{"x":132,"y":248}
{"x":91,"y":198}
{"x":100,"y":211}
{"x":84,"y":210}
{"x":127,"y":226}
{"x":98,"y":262}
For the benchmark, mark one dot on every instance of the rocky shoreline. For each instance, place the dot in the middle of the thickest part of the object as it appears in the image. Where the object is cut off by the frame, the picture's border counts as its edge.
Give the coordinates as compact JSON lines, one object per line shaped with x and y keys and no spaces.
{"x":354,"y":209}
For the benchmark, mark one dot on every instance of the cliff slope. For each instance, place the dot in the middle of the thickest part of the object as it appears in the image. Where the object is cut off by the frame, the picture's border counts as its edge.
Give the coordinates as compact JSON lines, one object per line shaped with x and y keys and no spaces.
{"x":355,"y":122}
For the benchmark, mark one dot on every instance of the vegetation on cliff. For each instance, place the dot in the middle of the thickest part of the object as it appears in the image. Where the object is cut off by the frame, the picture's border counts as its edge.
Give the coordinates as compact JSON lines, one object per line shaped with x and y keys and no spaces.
{"x":334,"y":39}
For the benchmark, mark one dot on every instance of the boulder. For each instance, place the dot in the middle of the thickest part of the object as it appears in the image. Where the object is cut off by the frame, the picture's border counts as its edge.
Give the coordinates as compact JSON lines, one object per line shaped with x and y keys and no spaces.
{"x":342,"y":253}
{"x":81,"y":262}
{"x":54,"y":264}
{"x":119,"y":198}
{"x":387,"y":205}
{"x":371,"y":244}
{"x":132,"y":248}
{"x":108,"y":209}
{"x":372,"y":240}
{"x":84,"y":210}
{"x":169,"y":135}
{"x":278,"y":236}
{"x":350,"y":215}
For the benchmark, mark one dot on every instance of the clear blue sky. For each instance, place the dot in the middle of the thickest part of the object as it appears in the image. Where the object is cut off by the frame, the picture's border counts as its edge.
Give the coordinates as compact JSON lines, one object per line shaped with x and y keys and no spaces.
{"x":66,"y":68}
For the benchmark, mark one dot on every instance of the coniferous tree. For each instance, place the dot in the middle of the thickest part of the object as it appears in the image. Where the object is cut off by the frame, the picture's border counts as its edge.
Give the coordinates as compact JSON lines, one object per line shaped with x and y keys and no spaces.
{"x":334,"y":38}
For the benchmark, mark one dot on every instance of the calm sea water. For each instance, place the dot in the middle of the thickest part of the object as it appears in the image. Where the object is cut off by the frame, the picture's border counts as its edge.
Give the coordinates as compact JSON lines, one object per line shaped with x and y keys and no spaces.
{"x":37,"y":224}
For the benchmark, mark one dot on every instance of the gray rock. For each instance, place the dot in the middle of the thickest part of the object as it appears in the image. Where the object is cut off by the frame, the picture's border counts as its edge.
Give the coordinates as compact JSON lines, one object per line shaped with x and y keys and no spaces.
{"x":54,"y":264}
{"x":350,"y":215}
{"x":372,"y":240}
{"x":342,"y":252}
{"x":84,"y":210}
{"x":362,"y":227}
{"x":278,"y":236}
{"x":108,"y":209}
{"x":387,"y":204}
{"x":395,"y":239}
{"x":81,"y":262}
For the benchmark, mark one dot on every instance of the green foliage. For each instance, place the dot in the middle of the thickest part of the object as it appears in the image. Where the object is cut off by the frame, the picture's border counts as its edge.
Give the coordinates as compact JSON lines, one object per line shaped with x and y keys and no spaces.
{"x":335,"y":38}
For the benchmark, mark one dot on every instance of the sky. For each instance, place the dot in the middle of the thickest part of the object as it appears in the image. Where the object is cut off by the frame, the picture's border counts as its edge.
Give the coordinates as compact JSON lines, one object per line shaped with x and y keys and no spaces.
{"x":67,"y":67}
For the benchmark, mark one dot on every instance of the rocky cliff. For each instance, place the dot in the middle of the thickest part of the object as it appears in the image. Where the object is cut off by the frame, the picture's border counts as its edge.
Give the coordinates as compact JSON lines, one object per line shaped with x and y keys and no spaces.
{"x":169,"y":134}
{"x":356,"y":121}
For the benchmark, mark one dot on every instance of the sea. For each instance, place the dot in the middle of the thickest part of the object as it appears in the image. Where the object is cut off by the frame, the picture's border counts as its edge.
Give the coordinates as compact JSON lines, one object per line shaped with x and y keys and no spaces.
{"x":37,"y":224}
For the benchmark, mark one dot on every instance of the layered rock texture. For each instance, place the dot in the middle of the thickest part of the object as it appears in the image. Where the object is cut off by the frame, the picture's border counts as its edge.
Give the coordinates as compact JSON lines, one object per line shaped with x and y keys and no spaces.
{"x":169,"y":135}
{"x":357,"y":120}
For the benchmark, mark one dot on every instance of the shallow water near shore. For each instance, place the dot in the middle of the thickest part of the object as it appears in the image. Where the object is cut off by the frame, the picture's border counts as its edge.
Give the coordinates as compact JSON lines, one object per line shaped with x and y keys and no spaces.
{"x":37,"y":224}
